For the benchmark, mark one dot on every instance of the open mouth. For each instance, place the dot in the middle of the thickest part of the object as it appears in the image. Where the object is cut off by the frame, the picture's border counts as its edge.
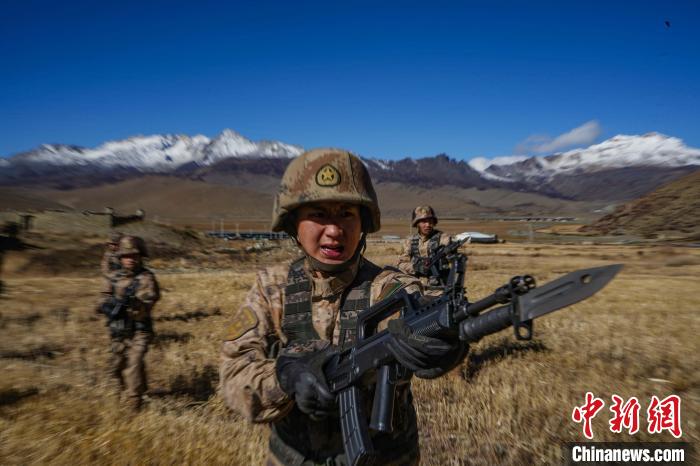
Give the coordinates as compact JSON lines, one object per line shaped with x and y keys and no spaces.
{"x":332,"y":252}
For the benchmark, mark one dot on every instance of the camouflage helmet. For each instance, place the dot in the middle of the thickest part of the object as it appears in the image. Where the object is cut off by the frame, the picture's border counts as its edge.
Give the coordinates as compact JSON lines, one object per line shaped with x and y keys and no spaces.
{"x":322,"y":175}
{"x":423,"y":212}
{"x":132,"y":245}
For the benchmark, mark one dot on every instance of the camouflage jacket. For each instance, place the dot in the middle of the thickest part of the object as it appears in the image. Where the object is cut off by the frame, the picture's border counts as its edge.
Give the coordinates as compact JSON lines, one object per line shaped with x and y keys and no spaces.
{"x":146,"y":291}
{"x":248,"y":381}
{"x":405,"y":261}
{"x":110,"y":263}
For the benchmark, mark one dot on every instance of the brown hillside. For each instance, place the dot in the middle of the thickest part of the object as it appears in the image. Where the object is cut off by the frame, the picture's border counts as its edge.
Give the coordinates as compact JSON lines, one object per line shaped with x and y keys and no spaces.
{"x":249,"y":196}
{"x":170,"y":198}
{"x":12,"y":198}
{"x":672,"y":210}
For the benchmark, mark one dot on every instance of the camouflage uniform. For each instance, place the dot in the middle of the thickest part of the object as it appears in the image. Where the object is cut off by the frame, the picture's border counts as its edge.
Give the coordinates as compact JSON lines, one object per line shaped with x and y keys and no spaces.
{"x":290,"y":306}
{"x":109,"y":265}
{"x":419,"y":248}
{"x":250,"y":387}
{"x":130,"y":336}
{"x":426,"y":247}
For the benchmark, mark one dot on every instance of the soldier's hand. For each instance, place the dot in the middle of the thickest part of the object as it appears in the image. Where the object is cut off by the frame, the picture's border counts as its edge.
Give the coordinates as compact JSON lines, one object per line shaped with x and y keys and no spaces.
{"x":312,"y":397}
{"x":416,"y":352}
{"x":301,"y":377}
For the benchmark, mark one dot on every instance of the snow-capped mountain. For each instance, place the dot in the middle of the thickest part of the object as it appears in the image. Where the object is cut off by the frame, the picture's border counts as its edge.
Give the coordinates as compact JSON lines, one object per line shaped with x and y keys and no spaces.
{"x":621,"y":168}
{"x":156,"y":153}
{"x":622,"y":151}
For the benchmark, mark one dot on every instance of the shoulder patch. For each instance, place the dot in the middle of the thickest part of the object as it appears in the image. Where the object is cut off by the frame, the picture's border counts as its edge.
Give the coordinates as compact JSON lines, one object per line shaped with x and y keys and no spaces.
{"x":389,"y":289}
{"x":245,"y":320}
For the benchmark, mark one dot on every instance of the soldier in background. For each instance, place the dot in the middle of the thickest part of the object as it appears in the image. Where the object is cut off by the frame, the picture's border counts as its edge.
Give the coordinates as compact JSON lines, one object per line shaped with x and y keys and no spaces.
{"x":109,"y":265}
{"x":418,"y":250}
{"x":133,"y":293}
{"x":110,"y":261}
{"x":296,"y":310}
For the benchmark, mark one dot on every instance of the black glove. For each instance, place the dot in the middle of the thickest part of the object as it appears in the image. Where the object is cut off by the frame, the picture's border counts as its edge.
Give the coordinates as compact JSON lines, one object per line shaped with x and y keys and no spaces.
{"x":300,"y":374}
{"x":427,"y":357}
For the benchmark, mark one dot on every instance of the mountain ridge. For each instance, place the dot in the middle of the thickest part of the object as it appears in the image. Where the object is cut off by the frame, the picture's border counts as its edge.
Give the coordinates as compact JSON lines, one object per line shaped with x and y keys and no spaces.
{"x":618,"y":169}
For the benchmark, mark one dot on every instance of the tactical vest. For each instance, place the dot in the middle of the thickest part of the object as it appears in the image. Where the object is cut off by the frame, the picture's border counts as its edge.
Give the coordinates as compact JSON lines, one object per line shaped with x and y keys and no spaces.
{"x":433,"y":245}
{"x":125,"y":326}
{"x":297,"y":439}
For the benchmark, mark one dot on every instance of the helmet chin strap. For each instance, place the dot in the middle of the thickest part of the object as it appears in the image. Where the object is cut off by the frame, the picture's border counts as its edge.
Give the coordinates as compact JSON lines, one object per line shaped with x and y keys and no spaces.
{"x":317,"y":265}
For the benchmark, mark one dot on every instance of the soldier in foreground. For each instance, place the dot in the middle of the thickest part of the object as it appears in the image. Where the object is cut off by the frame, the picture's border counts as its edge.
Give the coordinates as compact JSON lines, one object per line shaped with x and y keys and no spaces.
{"x":418,"y":250}
{"x":133,"y":293}
{"x":296,"y":310}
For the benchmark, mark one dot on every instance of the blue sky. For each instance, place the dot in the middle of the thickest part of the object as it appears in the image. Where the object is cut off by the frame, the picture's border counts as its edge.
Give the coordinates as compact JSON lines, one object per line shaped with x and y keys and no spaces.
{"x":404,"y":79}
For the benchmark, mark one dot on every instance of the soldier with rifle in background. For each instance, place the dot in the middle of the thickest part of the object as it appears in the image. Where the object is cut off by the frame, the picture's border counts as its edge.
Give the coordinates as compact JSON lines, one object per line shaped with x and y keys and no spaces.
{"x":128,"y":304}
{"x":109,"y":265}
{"x":110,"y":261}
{"x":420,"y":249}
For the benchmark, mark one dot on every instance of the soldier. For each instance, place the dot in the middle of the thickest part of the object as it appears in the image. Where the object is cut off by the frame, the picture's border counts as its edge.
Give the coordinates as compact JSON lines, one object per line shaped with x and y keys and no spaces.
{"x":110,"y":262}
{"x":419,"y":248}
{"x":327,"y":203}
{"x":134,"y":292}
{"x":109,"y":265}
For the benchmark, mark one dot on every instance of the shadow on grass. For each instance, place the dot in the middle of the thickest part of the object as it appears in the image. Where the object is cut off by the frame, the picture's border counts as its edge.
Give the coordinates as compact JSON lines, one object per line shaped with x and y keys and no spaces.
{"x":162,"y":339}
{"x":26,"y":320}
{"x":12,"y":396}
{"x":187,"y":316}
{"x":43,"y":351}
{"x":197,"y":385}
{"x":505,"y":348}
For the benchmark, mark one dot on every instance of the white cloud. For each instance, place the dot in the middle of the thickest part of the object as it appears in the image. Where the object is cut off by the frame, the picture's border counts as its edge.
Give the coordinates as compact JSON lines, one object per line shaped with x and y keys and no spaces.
{"x":482,"y":163}
{"x":583,"y":135}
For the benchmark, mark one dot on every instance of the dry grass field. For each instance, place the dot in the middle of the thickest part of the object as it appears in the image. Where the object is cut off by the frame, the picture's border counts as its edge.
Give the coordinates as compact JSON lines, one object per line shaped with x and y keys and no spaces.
{"x":509,"y":403}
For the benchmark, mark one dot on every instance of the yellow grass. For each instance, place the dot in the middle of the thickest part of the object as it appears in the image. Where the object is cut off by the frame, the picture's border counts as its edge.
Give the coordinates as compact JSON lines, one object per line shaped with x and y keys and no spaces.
{"x":509,"y":403}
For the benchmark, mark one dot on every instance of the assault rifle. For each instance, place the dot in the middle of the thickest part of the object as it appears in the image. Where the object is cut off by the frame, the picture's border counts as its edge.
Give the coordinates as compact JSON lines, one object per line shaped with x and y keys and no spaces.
{"x":115,"y":308}
{"x":450,"y":315}
{"x":439,"y":266}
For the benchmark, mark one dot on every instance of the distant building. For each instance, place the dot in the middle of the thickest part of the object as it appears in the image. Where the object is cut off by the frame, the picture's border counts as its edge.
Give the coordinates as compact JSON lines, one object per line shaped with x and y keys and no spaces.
{"x":68,"y":221}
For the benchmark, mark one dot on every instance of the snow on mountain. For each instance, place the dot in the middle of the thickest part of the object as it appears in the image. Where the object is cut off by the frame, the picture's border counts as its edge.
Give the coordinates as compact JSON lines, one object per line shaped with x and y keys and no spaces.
{"x":161,"y":153}
{"x":651,"y":149}
{"x":150,"y":152}
{"x":481,"y":164}
{"x":231,"y":144}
